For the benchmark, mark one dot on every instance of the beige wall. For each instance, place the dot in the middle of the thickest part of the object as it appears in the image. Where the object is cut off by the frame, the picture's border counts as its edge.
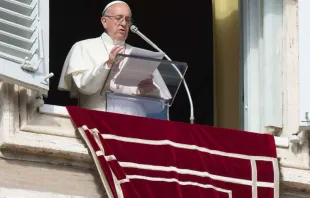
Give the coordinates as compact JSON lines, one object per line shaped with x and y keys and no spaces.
{"x":226,"y":63}
{"x":28,"y":179}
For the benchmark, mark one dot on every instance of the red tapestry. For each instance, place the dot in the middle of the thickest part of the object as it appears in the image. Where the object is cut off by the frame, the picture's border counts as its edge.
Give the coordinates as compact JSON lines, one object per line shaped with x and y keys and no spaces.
{"x":142,"y":157}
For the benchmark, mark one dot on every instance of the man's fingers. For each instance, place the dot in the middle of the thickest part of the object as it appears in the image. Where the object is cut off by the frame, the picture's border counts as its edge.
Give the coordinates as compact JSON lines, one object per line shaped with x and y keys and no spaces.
{"x":114,"y":48}
{"x":119,"y":50}
{"x":146,"y":82}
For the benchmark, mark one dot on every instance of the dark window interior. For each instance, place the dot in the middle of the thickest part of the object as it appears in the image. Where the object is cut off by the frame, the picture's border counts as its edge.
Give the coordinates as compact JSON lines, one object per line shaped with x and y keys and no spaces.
{"x":182,"y":29}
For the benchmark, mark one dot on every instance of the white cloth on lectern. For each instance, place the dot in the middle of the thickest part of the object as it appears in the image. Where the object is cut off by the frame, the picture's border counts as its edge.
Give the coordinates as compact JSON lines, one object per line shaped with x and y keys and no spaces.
{"x":85,"y":71}
{"x":123,"y":105}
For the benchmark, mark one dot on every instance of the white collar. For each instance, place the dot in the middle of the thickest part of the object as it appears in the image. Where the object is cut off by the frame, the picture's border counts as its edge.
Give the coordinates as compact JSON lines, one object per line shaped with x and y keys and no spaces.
{"x":107,"y":39}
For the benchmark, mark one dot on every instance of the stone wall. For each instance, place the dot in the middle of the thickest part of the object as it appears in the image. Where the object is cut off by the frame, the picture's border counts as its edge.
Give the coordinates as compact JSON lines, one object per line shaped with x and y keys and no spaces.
{"x":33,"y":179}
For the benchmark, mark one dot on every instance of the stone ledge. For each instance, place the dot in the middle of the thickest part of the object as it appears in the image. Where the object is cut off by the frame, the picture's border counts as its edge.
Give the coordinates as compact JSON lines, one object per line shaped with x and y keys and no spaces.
{"x":285,"y":193}
{"x":46,"y":148}
{"x":55,"y":125}
{"x":295,"y":179}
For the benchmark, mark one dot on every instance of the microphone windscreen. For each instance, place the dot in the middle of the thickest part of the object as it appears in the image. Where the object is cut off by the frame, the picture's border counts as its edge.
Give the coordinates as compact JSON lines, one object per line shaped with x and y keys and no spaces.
{"x":133,"y":28}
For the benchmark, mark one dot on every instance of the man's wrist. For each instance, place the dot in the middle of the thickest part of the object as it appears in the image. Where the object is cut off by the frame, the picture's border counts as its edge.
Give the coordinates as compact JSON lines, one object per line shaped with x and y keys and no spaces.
{"x":110,"y":63}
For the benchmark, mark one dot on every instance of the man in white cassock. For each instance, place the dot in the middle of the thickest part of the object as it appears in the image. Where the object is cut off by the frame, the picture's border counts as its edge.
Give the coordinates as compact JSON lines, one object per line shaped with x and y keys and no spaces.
{"x":89,"y":61}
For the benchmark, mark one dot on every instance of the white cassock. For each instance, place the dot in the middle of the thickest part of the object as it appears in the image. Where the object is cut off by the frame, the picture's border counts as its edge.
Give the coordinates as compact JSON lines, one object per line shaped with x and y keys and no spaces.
{"x":85,"y":72}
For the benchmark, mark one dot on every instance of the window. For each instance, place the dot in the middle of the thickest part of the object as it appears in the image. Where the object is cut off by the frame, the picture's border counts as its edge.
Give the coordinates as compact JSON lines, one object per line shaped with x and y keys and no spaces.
{"x":304,"y":60}
{"x":262,"y":62}
{"x":24,"y":43}
{"x":24,"y":39}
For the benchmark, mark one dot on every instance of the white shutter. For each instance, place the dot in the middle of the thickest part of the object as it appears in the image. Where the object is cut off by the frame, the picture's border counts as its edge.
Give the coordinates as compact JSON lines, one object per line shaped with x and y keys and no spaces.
{"x":273,"y":65}
{"x":304,"y":64}
{"x":261,"y":37}
{"x":24,"y":43}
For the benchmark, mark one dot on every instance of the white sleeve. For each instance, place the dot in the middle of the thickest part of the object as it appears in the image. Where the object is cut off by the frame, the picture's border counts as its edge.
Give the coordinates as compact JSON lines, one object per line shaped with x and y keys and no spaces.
{"x":91,"y":80}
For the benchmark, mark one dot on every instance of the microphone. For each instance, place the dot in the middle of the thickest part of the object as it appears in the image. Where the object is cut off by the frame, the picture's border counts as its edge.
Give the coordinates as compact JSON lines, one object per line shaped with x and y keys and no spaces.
{"x":134,"y":29}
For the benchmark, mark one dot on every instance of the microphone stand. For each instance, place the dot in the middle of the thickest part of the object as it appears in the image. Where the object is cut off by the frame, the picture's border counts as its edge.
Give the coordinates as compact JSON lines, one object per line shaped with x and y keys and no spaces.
{"x":135,"y":30}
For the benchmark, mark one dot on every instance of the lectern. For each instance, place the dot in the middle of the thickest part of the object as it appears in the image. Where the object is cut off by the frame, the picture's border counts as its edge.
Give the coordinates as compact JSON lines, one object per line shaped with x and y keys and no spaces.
{"x":129,"y":71}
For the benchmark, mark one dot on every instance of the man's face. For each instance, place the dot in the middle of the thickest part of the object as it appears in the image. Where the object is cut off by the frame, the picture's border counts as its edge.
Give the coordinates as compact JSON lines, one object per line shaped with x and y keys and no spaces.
{"x":117,"y":21}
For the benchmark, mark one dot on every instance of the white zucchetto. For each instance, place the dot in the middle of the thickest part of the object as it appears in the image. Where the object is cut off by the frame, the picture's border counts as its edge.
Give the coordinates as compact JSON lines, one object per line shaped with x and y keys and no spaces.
{"x":112,"y":3}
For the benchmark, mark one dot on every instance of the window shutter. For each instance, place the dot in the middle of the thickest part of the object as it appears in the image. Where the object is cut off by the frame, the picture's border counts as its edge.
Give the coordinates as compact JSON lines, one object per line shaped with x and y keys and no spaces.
{"x":24,"y":43}
{"x":304,"y":65}
{"x":261,"y":38}
{"x":272,"y":67}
